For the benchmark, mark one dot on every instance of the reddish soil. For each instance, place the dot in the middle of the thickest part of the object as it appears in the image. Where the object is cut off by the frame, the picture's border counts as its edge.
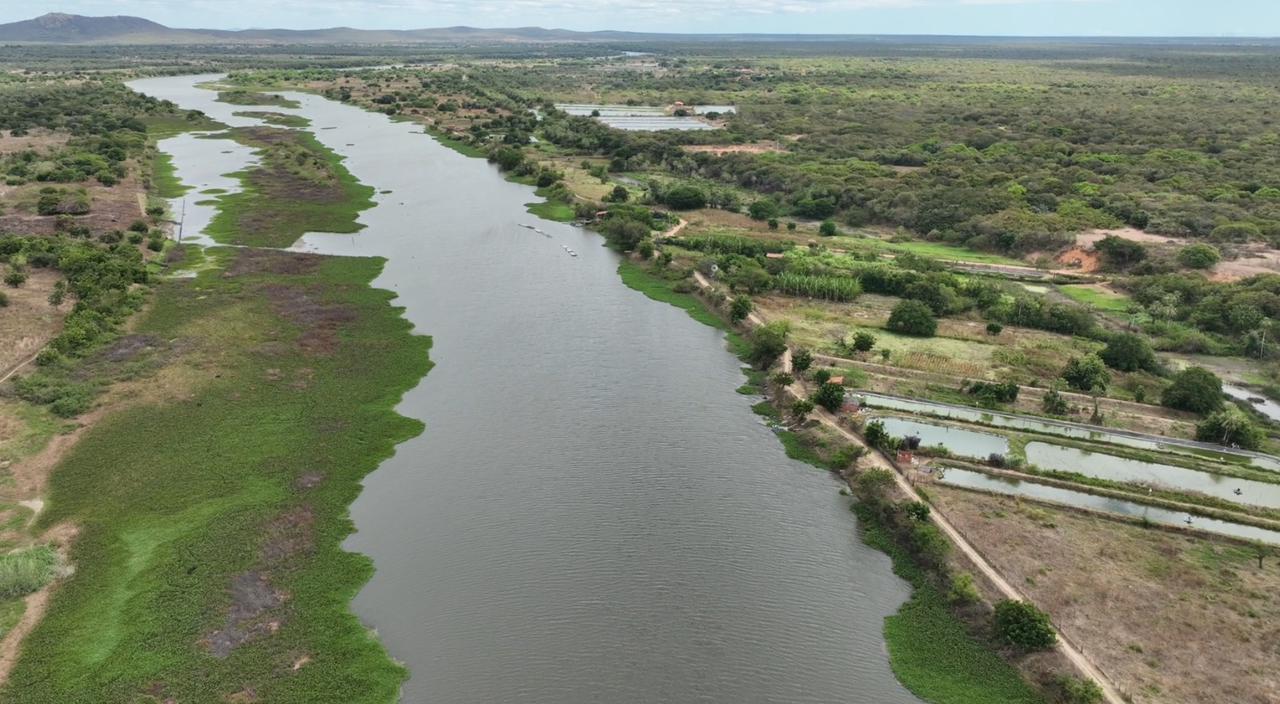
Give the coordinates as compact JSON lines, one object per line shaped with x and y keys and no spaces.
{"x":734,"y":148}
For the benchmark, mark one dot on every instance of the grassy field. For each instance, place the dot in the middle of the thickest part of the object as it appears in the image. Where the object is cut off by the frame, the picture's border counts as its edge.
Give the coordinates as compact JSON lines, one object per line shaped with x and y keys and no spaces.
{"x":1102,"y":300}
{"x":246,"y":97}
{"x":164,"y":181}
{"x":552,"y":210}
{"x":937,"y":250}
{"x":209,"y":560}
{"x":278,"y":119}
{"x":301,"y":186}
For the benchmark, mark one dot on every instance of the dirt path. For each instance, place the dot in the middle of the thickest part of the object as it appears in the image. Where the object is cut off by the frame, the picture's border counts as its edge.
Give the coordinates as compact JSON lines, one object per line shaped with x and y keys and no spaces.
{"x":877,"y":459}
{"x":18,"y":367}
{"x":673,"y":230}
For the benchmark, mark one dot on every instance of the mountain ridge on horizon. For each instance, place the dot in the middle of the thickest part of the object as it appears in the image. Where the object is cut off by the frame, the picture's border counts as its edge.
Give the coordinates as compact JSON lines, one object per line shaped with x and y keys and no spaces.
{"x":64,"y":28}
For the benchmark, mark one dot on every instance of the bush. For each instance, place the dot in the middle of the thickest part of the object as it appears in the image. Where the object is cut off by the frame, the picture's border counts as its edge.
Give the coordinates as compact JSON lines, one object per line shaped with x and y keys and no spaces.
{"x":801,"y":409}
{"x":767,"y":344}
{"x":821,"y":376}
{"x":1023,"y":626}
{"x":15,"y":278}
{"x":994,"y":328}
{"x":4,"y":300}
{"x":994,"y":392}
{"x":1232,"y":428}
{"x":1075,"y":690}
{"x":1199,"y":256}
{"x":685,"y":197}
{"x":27,"y":571}
{"x":801,"y":360}
{"x":827,"y":229}
{"x":912,"y":318}
{"x":1129,"y":353}
{"x":1194,"y":389}
{"x":863,"y":341}
{"x":1054,"y":403}
{"x":1086,"y":373}
{"x":740,"y":309}
{"x":829,"y":396}
{"x":963,"y":590}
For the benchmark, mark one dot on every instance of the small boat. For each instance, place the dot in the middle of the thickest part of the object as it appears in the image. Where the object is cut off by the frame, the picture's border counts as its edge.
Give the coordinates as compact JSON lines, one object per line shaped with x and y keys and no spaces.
{"x":540,"y":232}
{"x":529,"y":227}
{"x":573,"y":253}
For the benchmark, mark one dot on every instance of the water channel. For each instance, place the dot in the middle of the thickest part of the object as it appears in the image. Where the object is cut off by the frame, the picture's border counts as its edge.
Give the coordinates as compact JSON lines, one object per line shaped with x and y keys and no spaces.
{"x":592,"y":514}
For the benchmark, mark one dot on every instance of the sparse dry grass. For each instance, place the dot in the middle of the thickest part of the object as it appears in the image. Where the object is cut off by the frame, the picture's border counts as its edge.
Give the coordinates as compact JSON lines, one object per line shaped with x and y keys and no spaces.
{"x":1170,"y":618}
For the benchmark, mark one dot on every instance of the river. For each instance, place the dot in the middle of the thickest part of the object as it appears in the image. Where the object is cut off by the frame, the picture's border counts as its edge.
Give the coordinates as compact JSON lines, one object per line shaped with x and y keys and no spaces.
{"x":592,"y":514}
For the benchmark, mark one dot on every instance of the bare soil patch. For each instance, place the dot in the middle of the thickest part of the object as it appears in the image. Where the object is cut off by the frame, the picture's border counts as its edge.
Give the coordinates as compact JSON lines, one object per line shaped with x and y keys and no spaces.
{"x":1092,"y":237}
{"x":265,"y":261}
{"x":29,"y":322}
{"x":38,"y":139}
{"x":1170,"y":618}
{"x":1080,"y":259}
{"x":765,"y":148}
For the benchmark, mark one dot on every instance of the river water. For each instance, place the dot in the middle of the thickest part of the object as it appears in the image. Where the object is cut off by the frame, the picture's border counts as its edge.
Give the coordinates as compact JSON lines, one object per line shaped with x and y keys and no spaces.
{"x":592,"y":514}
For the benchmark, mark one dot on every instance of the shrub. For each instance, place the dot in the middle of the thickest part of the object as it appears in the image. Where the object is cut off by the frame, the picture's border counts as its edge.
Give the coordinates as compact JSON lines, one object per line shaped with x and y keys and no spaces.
{"x":27,"y":571}
{"x":829,"y":396}
{"x":767,"y":344}
{"x":1075,"y":690}
{"x":822,"y":376}
{"x":1023,"y":626}
{"x":15,"y":278}
{"x":1129,"y":353}
{"x":912,"y":318}
{"x":685,"y":197}
{"x":740,"y":309}
{"x":801,"y":409}
{"x":1054,"y":403}
{"x":963,"y":590}
{"x":1086,"y":373}
{"x":1232,"y":428}
{"x":4,"y":300}
{"x":801,"y":360}
{"x":990,"y":393}
{"x":875,"y":434}
{"x":1199,"y":256}
{"x":827,"y":229}
{"x":994,"y":328}
{"x":1194,"y":389}
{"x":782,"y":379}
{"x":863,"y":341}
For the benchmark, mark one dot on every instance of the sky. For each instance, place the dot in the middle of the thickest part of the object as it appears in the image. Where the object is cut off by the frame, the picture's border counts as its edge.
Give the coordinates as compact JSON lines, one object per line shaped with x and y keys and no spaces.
{"x":967,"y":17}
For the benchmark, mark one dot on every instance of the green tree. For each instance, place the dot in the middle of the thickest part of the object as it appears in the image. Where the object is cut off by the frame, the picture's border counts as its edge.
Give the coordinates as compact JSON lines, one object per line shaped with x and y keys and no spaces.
{"x":912,"y":318}
{"x":1087,"y":373}
{"x":763,"y":209}
{"x":801,"y":360}
{"x":685,"y":197}
{"x":863,"y":341}
{"x":1194,"y":389}
{"x":829,"y":396}
{"x":1129,"y":353}
{"x":1199,"y":256}
{"x":740,"y":308}
{"x":767,"y":344}
{"x":801,"y":409}
{"x":619,"y":194}
{"x":827,"y":228}
{"x":1023,"y":626}
{"x":1232,"y":428}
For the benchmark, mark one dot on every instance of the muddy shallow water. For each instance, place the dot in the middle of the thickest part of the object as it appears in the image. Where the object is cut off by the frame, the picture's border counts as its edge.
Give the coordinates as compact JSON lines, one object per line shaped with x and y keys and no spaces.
{"x":592,"y":514}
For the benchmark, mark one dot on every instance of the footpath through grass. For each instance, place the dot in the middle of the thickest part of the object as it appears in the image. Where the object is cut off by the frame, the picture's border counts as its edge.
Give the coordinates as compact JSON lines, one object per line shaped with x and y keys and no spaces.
{"x":209,"y":563}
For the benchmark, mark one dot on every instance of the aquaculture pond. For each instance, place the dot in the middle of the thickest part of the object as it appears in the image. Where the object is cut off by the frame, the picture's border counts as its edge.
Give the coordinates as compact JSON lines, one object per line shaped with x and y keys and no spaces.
{"x":970,"y":479}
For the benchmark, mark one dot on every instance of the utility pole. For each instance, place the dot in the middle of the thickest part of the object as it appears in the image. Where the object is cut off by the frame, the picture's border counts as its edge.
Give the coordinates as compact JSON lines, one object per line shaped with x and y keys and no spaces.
{"x":182,"y":219}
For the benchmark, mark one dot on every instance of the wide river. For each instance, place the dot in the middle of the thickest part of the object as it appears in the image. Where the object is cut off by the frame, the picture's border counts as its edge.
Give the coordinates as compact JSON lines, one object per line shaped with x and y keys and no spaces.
{"x":592,"y":514}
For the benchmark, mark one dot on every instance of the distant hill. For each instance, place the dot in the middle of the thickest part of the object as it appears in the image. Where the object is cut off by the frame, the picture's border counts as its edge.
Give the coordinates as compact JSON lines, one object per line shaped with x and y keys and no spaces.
{"x":58,"y":28}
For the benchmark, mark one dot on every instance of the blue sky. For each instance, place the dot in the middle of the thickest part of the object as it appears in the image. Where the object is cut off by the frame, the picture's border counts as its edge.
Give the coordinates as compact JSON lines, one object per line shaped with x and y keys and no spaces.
{"x":985,"y":17}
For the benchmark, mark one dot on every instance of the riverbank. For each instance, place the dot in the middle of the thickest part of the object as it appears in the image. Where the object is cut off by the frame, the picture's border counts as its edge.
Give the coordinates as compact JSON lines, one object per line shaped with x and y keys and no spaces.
{"x":209,"y":491}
